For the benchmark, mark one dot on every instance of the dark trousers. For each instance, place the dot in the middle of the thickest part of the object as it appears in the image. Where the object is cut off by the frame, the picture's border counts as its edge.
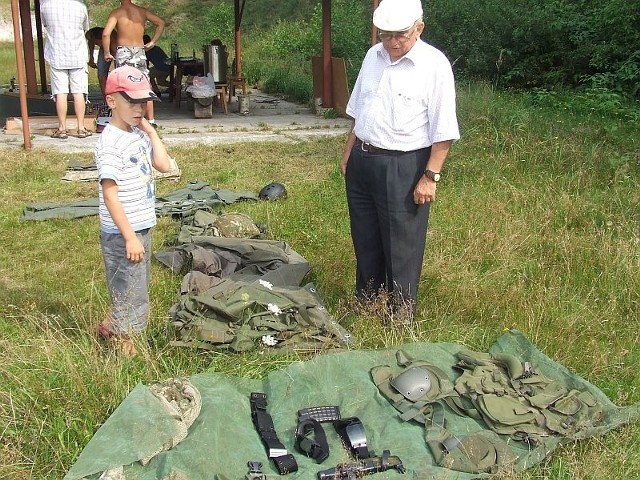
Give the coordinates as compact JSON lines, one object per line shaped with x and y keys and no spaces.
{"x":387,"y":228}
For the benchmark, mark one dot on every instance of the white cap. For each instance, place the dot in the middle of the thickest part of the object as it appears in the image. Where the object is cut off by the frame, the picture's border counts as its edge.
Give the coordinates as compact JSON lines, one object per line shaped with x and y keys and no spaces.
{"x":397,"y":15}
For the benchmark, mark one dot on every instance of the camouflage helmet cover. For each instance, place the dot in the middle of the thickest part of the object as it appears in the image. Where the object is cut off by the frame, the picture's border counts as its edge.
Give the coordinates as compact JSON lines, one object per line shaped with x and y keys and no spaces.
{"x":236,"y":225}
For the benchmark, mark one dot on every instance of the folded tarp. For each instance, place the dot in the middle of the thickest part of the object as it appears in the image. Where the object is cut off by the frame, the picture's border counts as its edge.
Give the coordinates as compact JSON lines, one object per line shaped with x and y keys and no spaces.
{"x":88,"y":172}
{"x":186,"y":201}
{"x":222,"y":439}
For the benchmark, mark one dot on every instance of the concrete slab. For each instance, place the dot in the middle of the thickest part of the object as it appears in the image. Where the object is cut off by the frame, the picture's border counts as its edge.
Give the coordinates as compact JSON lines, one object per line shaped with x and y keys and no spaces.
{"x":269,"y":119}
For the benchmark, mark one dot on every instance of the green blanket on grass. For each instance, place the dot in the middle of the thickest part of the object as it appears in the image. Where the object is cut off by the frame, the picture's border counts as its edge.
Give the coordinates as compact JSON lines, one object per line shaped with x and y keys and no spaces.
{"x":222,"y":438}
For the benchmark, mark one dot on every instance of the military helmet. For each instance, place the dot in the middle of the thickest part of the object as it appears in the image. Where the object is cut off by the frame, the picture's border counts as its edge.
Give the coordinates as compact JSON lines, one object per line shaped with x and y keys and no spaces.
{"x":273,"y":191}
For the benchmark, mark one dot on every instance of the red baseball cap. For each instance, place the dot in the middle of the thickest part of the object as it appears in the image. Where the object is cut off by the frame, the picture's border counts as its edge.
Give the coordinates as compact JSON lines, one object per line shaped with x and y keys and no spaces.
{"x":131,"y":83}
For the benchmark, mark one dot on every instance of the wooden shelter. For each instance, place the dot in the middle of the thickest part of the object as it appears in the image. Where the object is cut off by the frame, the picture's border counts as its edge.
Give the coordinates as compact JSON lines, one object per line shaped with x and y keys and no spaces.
{"x":26,"y":65}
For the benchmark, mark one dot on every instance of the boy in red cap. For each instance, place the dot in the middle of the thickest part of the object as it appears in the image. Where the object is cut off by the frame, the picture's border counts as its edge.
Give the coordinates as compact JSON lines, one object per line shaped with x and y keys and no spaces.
{"x":127,"y":149}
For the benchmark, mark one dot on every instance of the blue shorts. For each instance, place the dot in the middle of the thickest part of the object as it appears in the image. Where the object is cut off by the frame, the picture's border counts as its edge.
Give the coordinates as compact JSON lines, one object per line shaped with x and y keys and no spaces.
{"x":128,"y":282}
{"x":102,"y":64}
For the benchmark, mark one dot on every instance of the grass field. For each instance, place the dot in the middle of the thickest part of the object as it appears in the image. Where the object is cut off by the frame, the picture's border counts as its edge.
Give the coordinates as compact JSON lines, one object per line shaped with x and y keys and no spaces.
{"x":536,"y":227}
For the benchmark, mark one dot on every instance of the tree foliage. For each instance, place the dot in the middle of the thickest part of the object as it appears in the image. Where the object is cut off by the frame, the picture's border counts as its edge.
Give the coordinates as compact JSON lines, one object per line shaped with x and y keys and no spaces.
{"x":525,"y":44}
{"x":541,"y":43}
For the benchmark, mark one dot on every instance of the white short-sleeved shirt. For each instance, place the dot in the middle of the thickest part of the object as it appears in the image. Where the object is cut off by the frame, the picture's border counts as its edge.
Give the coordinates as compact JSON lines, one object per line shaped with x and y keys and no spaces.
{"x":125,"y":158}
{"x":407,"y":104}
{"x":65,"y":22}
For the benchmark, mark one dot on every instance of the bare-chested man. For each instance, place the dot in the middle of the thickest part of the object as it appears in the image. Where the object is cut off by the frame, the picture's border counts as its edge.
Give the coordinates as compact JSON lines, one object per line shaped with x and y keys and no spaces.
{"x":129,"y":20}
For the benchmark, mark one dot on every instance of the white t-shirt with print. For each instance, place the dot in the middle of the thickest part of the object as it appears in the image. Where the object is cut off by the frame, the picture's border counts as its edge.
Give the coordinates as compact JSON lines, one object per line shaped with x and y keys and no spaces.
{"x":125,"y":158}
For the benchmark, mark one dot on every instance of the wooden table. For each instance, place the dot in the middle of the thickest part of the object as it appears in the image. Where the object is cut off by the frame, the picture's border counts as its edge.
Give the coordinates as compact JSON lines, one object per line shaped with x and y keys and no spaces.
{"x":179,"y":68}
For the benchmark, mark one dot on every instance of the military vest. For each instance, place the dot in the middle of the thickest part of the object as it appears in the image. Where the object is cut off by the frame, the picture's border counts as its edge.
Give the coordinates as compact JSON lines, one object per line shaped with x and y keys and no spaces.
{"x":512,"y":399}
{"x":499,"y":391}
{"x":241,"y":316}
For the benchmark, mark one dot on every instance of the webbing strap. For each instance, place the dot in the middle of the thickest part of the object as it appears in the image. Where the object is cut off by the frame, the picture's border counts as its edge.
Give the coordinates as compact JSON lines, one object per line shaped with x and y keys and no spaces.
{"x":437,"y":415}
{"x":311,"y":440}
{"x":283,"y":460}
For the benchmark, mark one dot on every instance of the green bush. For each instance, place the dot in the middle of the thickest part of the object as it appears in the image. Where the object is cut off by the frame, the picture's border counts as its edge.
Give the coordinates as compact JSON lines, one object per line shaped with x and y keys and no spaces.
{"x":289,"y":80}
{"x":541,"y":43}
{"x":218,"y":23}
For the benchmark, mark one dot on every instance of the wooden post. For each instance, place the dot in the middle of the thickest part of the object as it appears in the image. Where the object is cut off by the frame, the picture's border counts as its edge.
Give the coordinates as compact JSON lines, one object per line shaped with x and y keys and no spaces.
{"x":327,"y":69}
{"x":27,"y":41}
{"x":19,"y":62}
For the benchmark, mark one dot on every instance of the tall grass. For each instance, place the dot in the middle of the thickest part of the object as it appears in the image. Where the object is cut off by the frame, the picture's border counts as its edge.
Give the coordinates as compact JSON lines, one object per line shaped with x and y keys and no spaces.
{"x":535,"y":227}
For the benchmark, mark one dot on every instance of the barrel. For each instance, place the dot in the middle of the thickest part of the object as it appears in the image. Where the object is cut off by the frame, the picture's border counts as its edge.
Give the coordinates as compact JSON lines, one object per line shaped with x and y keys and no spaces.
{"x":215,"y":62}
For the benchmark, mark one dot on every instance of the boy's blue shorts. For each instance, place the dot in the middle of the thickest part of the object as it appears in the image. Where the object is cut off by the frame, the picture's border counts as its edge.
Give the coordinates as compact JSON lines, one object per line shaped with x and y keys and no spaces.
{"x":128,"y":282}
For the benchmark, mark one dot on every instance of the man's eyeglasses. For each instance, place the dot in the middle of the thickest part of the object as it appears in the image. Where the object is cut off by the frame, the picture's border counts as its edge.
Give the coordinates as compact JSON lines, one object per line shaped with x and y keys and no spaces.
{"x":400,"y":36}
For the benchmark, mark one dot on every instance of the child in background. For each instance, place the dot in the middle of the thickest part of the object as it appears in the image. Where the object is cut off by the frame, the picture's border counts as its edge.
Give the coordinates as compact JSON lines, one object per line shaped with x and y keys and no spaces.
{"x":127,"y":149}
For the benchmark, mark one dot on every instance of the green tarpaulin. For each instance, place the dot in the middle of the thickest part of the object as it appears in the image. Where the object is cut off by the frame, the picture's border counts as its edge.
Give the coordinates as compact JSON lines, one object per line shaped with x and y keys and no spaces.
{"x":222,"y":439}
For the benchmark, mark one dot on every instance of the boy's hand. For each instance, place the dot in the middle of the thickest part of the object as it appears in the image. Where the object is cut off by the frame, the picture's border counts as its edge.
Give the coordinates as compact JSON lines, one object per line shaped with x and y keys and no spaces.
{"x":145,"y":126}
{"x":135,"y":250}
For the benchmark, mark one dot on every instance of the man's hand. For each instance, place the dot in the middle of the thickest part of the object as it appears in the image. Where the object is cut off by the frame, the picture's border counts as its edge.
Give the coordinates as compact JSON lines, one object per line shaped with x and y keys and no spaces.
{"x":425,"y":191}
{"x":346,"y":153}
{"x":343,"y":163}
{"x":92,"y":64}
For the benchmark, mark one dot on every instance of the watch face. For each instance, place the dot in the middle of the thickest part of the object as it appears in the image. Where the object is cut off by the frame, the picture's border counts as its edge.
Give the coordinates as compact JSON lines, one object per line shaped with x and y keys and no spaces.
{"x":436,"y":177}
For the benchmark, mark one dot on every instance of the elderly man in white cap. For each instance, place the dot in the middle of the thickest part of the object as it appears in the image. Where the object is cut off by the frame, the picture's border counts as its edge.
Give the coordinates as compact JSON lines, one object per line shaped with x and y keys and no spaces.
{"x":404,"y":122}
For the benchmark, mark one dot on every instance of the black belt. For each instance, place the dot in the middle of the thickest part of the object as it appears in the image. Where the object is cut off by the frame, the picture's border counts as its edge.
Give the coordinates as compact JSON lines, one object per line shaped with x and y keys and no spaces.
{"x":367,"y":147}
{"x":284,"y":461}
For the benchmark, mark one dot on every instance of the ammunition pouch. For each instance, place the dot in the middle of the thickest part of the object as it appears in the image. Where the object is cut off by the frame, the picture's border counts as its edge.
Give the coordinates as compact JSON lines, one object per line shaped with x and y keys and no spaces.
{"x":481,"y":452}
{"x":514,"y":400}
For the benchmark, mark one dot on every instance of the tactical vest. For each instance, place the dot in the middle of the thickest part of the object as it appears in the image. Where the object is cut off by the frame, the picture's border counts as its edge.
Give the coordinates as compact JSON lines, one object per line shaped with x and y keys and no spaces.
{"x":499,"y":391}
{"x":425,"y":402}
{"x":514,"y":400}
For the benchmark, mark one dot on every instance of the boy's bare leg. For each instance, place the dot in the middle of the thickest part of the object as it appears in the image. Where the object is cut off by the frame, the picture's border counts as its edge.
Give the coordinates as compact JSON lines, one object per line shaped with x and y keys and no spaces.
{"x":127,"y":347}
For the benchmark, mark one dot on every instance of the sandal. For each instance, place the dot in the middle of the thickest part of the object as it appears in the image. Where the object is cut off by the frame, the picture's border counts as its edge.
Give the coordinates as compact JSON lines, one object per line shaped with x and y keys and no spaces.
{"x":62,"y":134}
{"x":84,"y":133}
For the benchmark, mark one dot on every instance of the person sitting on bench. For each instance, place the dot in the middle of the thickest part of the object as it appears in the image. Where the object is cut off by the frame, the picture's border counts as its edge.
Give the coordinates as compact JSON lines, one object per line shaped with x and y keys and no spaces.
{"x":159,"y":66}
